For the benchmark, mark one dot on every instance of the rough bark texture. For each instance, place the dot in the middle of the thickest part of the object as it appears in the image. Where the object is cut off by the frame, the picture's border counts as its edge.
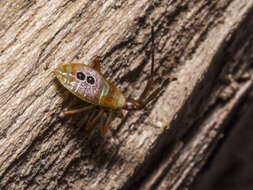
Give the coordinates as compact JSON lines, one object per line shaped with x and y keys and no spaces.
{"x":203,"y":57}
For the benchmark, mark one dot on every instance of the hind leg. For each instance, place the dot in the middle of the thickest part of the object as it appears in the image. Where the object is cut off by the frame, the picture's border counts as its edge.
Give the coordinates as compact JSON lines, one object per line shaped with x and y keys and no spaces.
{"x":94,"y":119}
{"x":74,"y":111}
{"x":108,"y":120}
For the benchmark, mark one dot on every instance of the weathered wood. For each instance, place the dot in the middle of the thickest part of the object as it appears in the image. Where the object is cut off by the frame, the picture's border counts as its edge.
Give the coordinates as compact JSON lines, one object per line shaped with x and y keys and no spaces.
{"x":40,"y":150}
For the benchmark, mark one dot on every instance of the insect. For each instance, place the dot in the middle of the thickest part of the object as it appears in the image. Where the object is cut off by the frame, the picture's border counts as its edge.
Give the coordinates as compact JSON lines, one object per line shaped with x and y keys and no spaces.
{"x":87,"y":83}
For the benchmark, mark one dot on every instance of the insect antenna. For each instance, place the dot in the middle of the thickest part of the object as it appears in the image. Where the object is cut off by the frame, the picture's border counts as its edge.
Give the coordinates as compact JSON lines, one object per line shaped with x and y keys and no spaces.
{"x":150,"y":81}
{"x":132,"y":104}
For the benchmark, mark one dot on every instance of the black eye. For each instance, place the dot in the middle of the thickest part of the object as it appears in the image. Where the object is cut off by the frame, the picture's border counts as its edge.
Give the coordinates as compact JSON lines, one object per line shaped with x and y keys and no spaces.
{"x":80,"y":75}
{"x":90,"y":80}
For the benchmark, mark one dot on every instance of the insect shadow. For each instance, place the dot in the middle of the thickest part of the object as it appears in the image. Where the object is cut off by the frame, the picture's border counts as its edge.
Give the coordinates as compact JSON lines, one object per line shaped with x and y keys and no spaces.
{"x":97,"y":149}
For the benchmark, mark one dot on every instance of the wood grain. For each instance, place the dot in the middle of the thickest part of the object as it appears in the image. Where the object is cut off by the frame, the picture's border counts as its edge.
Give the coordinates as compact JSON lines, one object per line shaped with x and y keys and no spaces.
{"x":41,"y":150}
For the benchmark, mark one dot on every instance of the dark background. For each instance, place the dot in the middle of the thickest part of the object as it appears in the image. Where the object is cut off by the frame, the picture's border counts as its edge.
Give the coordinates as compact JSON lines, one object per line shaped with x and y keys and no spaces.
{"x":231,"y":166}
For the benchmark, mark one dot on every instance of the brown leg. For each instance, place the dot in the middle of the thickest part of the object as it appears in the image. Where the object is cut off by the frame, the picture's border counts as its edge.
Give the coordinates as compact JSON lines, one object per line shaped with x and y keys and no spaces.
{"x":95,"y":119}
{"x":74,"y":111}
{"x":146,"y":89}
{"x":152,"y":96}
{"x":95,"y":63}
{"x":132,"y":104}
{"x":91,"y":117}
{"x":108,"y":120}
{"x":120,"y":115}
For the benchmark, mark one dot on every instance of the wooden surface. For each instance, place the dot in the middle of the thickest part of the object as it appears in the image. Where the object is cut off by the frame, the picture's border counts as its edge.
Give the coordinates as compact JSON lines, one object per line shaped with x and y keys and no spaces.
{"x":198,"y":51}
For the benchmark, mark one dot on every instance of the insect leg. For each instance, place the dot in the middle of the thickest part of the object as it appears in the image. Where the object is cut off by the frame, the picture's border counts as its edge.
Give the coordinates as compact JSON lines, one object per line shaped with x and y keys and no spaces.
{"x":74,"y":111}
{"x":91,"y":117}
{"x":152,"y":96}
{"x":133,"y":104}
{"x":120,"y":115}
{"x":108,"y":120}
{"x":95,"y":63}
{"x":95,"y":119}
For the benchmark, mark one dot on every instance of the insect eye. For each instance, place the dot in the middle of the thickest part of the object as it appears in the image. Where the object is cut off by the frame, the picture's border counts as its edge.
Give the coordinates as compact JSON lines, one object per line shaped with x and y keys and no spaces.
{"x":80,"y":75}
{"x":90,"y":80}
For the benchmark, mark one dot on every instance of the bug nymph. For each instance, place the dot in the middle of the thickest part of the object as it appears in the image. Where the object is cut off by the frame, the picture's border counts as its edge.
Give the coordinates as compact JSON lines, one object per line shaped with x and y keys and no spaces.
{"x":87,"y":83}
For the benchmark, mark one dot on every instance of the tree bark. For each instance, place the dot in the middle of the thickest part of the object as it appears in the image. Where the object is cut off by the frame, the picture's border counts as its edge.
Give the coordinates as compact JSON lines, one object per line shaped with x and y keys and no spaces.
{"x":202,"y":61}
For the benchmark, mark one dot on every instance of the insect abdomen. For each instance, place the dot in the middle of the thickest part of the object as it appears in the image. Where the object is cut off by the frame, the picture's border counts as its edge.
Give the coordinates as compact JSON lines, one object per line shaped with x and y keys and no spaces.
{"x":110,"y":96}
